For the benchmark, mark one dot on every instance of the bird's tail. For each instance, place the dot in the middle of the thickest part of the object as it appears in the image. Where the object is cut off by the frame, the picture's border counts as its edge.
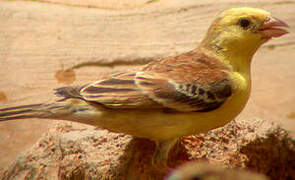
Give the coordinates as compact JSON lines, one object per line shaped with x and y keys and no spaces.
{"x":25,"y":111}
{"x":70,"y":103}
{"x":72,"y":109}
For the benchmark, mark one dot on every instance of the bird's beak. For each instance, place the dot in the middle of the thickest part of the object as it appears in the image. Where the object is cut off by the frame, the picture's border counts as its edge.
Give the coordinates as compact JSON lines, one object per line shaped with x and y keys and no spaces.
{"x":272,"y":27}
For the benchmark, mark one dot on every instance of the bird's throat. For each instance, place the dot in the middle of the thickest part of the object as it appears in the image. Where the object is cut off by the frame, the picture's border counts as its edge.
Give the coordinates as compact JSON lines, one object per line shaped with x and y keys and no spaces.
{"x":238,"y":62}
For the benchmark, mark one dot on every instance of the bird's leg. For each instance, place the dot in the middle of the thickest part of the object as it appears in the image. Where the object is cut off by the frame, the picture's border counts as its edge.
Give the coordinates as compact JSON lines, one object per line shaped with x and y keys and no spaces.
{"x":161,"y":154}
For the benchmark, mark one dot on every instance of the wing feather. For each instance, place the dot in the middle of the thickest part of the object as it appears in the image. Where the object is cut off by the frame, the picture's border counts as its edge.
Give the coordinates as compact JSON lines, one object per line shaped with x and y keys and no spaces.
{"x":118,"y":91}
{"x":189,"y":82}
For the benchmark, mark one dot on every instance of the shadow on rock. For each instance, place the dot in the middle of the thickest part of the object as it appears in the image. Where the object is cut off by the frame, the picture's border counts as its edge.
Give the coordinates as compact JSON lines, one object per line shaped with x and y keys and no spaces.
{"x":273,"y":155}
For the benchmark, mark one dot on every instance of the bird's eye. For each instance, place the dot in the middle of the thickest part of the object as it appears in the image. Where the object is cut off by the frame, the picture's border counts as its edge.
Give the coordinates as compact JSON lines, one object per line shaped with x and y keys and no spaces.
{"x":244,"y":22}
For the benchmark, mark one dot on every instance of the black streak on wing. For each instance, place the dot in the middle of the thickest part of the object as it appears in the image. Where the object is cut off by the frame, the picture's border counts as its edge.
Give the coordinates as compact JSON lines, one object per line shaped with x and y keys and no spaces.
{"x":182,"y":98}
{"x":194,"y":89}
{"x":201,"y":91}
{"x":69,"y":92}
{"x":93,"y":89}
{"x":114,"y":81}
{"x":210,"y":107}
{"x":225,"y":92}
{"x":202,"y":100}
{"x":142,"y":78}
{"x":146,"y":83}
{"x":210,"y":95}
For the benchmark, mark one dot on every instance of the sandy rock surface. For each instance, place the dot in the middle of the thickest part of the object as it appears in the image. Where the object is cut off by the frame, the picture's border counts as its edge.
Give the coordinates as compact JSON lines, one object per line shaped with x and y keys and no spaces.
{"x":74,"y":151}
{"x":44,"y":45}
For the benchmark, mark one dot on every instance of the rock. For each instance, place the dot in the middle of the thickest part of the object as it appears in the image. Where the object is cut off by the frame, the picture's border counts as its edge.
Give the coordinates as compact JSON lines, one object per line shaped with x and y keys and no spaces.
{"x":204,"y":171}
{"x":75,"y":151}
{"x":255,"y":144}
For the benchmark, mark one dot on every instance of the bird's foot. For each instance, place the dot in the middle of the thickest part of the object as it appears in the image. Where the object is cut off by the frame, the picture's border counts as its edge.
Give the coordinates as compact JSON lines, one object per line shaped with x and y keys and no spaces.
{"x":161,"y":155}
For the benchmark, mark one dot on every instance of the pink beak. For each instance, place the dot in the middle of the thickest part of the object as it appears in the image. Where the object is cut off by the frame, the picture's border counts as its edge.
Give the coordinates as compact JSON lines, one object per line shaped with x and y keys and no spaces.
{"x":271,"y":28}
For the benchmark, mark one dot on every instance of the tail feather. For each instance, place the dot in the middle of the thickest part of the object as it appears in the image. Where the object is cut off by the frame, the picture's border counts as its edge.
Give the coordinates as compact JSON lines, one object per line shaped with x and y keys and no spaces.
{"x":69,"y":92}
{"x":63,"y":109}
{"x":20,"y":112}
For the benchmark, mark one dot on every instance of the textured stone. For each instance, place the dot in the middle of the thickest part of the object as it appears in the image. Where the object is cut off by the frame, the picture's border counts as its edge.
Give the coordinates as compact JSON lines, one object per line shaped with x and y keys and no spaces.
{"x":75,"y":151}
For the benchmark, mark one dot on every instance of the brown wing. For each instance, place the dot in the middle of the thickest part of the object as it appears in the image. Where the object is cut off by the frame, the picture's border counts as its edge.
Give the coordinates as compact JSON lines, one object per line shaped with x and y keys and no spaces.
{"x":189,"y":82}
{"x":118,"y":91}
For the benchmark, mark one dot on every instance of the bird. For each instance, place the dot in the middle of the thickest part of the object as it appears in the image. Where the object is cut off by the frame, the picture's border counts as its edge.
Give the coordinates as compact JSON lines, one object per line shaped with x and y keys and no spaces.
{"x":199,"y":170}
{"x":170,"y":97}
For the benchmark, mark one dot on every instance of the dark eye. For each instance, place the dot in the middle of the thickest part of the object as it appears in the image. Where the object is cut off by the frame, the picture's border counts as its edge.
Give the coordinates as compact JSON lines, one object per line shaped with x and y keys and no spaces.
{"x":244,"y":22}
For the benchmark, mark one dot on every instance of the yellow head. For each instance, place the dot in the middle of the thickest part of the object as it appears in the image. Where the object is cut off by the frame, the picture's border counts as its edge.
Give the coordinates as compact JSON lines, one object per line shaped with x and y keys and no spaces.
{"x":238,"y":32}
